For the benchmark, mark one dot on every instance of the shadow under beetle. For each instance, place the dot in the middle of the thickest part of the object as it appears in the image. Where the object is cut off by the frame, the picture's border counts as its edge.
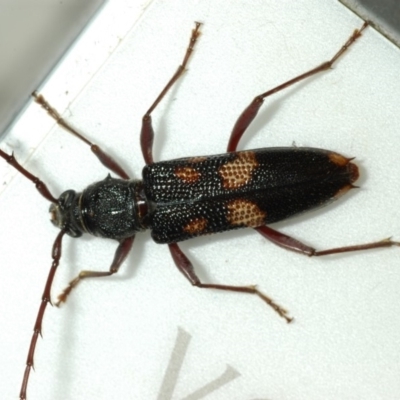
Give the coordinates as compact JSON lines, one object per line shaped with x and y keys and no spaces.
{"x":188,"y":197}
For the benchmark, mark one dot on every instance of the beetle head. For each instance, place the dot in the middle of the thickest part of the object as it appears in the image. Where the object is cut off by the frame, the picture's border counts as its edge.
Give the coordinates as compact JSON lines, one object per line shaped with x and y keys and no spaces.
{"x":63,"y":214}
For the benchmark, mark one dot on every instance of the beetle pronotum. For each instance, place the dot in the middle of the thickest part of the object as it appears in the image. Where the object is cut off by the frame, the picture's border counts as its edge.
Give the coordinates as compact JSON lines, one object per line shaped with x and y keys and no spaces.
{"x":184,"y":198}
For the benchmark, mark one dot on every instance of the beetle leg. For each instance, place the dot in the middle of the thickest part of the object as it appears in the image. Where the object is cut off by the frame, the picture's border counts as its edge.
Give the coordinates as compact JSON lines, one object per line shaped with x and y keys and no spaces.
{"x":251,"y":111}
{"x":119,"y":257}
{"x":103,"y":157}
{"x":37,"y":330}
{"x":186,"y":267}
{"x":147,"y":133}
{"x":387,"y":242}
{"x":289,"y":243}
{"x":282,"y":240}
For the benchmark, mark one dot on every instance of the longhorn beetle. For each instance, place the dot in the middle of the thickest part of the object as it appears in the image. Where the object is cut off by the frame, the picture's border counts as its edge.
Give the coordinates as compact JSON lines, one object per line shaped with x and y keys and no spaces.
{"x":188,"y":197}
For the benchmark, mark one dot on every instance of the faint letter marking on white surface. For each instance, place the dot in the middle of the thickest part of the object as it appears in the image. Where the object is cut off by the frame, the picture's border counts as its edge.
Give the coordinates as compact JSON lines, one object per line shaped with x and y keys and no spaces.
{"x":174,"y":368}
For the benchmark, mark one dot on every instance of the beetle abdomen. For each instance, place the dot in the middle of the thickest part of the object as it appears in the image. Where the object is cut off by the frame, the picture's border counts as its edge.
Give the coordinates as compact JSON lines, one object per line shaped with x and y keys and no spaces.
{"x":202,"y":195}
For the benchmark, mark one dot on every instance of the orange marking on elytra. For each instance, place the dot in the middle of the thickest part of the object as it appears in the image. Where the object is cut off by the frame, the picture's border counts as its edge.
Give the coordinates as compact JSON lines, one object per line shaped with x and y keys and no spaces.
{"x":197,"y":159}
{"x":245,"y":212}
{"x":196,"y":225}
{"x":338,"y":159}
{"x":238,"y":172}
{"x":343,"y":190}
{"x":187,"y":174}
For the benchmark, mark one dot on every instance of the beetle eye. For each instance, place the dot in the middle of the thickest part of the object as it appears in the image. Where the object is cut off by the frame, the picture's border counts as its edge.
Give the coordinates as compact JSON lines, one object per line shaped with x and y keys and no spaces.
{"x":66,"y":199}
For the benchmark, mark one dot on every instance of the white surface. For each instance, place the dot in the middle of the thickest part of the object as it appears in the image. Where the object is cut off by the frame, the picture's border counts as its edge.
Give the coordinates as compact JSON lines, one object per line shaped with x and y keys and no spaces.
{"x":114,"y":338}
{"x":34,"y":36}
